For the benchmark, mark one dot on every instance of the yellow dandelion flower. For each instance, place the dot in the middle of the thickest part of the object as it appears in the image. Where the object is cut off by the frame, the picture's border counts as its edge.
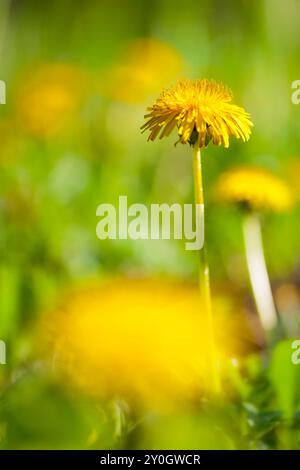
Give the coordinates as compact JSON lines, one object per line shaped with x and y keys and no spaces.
{"x":256,"y":188}
{"x":147,"y":65}
{"x":48,"y":97}
{"x":202,"y":112}
{"x":139,"y":339}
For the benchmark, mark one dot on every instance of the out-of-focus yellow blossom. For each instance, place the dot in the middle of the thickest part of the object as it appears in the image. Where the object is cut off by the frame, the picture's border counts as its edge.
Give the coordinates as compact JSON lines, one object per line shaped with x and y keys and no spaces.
{"x":144,"y":340}
{"x":254,"y":187}
{"x":49,"y":96}
{"x":147,"y":65}
{"x":201,"y":110}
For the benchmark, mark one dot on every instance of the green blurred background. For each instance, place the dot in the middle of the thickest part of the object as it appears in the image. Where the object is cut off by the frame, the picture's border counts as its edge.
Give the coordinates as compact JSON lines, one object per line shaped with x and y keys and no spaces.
{"x":111,"y":60}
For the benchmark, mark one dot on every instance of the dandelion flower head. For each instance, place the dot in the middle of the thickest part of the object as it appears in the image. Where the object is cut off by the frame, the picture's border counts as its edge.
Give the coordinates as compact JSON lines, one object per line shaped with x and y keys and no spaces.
{"x":201,"y":110}
{"x":255,"y":188}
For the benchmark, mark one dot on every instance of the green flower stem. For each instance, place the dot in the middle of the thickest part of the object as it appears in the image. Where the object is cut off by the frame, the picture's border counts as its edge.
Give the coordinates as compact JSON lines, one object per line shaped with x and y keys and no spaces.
{"x":258,"y":273}
{"x":204,"y":282}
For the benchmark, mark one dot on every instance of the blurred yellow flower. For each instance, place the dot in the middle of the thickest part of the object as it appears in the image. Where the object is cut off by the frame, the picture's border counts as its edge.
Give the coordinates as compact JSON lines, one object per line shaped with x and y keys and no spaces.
{"x":254,"y":187}
{"x":48,"y":97}
{"x":201,"y":110}
{"x":148,"y":65}
{"x":139,"y":339}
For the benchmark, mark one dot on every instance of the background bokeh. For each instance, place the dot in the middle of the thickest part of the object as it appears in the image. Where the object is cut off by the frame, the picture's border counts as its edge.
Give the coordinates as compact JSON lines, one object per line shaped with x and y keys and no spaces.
{"x":79,"y":77}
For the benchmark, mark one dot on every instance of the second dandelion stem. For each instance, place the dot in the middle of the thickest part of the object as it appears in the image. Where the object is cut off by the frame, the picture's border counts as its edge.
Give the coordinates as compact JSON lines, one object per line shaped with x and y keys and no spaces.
{"x":258,"y":272}
{"x":204,"y":280}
